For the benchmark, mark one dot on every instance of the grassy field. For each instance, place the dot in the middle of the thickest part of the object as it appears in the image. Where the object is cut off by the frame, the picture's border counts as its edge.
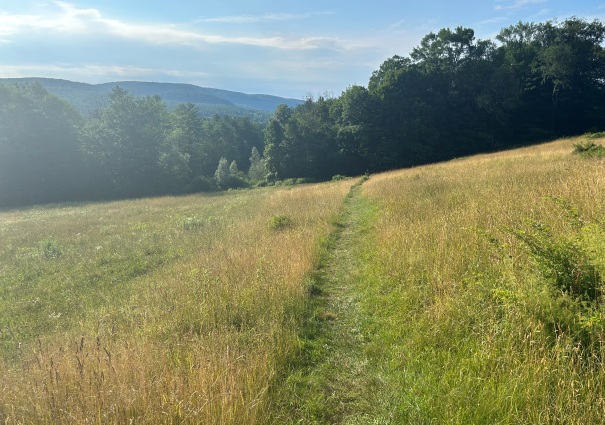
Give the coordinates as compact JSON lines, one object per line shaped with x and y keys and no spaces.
{"x":467,"y":292}
{"x":466,"y":266}
{"x":168,"y":310}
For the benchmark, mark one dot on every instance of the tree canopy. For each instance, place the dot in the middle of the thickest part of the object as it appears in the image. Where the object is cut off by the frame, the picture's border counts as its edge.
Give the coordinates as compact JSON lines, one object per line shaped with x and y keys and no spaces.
{"x":454,"y":95}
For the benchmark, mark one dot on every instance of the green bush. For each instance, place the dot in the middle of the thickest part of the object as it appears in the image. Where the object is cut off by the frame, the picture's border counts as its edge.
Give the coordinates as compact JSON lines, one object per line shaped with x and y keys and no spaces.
{"x":598,"y":135}
{"x":589,"y":150}
{"x":235,"y":182}
{"x":281,"y":222}
{"x":304,"y":180}
{"x":563,"y":262}
{"x":571,"y":266}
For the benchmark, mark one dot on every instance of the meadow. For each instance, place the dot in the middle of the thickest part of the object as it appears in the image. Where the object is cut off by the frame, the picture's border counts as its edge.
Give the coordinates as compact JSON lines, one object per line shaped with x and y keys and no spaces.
{"x":165,"y":310}
{"x":474,"y":281}
{"x":463,"y":292}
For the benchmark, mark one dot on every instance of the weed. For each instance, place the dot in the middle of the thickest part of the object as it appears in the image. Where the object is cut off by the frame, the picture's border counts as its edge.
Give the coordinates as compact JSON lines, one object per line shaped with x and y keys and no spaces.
{"x":567,"y":265}
{"x":563,"y":262}
{"x":191,"y":223}
{"x":49,"y":248}
{"x":281,"y":222}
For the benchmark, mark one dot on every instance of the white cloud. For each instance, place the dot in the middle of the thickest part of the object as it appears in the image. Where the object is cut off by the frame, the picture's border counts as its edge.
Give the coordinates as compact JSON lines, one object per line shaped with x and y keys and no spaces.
{"x":70,"y":20}
{"x":516,"y":4}
{"x":267,"y":17}
{"x":491,"y":21}
{"x":92,"y":70}
{"x":397,"y":25}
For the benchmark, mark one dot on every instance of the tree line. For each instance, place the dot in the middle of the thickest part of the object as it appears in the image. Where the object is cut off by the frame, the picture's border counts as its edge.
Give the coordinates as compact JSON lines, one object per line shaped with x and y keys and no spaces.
{"x":133,"y":147}
{"x":452,"y":96}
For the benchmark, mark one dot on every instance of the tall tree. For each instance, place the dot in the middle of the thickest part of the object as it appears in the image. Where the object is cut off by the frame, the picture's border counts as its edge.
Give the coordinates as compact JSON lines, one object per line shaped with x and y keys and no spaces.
{"x":130,"y":137}
{"x":222,"y":174}
{"x":258,"y":168}
{"x":277,"y":150}
{"x":39,"y":147}
{"x":560,"y":68}
{"x":354,"y":115}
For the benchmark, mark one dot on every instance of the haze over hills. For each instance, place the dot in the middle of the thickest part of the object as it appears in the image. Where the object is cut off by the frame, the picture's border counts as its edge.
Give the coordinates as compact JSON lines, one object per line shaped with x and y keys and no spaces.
{"x":88,"y":97}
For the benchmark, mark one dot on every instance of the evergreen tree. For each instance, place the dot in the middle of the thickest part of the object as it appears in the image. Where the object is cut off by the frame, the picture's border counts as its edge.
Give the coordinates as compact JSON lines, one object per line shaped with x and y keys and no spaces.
{"x":234,"y":170}
{"x":258,"y":169}
{"x":222,"y":174}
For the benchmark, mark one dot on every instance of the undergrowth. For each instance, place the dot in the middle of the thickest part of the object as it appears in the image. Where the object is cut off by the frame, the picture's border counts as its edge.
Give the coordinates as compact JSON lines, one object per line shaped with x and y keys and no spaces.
{"x":571,"y":267}
{"x":589,"y":149}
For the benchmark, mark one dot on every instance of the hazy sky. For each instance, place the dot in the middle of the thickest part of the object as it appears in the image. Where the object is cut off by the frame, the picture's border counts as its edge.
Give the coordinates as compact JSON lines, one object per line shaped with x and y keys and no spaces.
{"x":288,"y":48}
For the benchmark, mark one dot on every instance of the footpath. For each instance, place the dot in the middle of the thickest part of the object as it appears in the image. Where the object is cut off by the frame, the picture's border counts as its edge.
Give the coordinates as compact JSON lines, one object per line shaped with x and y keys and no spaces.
{"x":337,"y":380}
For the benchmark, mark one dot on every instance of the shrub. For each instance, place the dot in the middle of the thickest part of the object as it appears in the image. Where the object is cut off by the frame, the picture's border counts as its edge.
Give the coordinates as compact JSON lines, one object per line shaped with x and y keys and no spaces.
{"x":288,"y":182}
{"x":589,"y":150}
{"x":304,"y":180}
{"x":598,"y":135}
{"x":564,"y":263}
{"x":235,"y":182}
{"x":281,"y":222}
{"x":572,"y":273}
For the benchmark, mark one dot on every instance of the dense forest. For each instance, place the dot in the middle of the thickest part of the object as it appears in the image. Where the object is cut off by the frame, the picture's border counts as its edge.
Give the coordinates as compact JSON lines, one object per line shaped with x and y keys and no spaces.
{"x":452,"y":96}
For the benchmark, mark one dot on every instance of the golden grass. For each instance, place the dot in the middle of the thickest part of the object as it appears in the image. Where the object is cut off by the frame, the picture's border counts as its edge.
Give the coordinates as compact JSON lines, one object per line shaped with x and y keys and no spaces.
{"x":187,"y":309}
{"x":464,"y":323}
{"x":194,"y":334}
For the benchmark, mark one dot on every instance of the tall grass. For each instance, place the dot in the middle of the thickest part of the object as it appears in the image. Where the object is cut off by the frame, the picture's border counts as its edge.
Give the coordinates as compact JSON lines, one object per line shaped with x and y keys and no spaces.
{"x":465,"y":316}
{"x":187,"y":309}
{"x":167,"y":310}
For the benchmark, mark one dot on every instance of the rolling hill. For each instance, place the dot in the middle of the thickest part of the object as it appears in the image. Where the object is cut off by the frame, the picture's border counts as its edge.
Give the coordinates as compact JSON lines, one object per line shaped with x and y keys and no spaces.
{"x":211,"y":101}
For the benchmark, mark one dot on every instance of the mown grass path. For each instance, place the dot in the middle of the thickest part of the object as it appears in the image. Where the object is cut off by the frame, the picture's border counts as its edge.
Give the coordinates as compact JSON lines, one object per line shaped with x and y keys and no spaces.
{"x":338,"y":379}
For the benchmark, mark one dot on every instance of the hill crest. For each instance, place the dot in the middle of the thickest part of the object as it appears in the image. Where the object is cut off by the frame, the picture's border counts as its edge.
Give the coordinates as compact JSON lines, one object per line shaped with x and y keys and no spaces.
{"x":88,"y":97}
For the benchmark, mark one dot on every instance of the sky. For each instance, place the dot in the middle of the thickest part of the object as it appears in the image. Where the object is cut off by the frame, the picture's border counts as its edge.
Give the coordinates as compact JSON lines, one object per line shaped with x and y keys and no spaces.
{"x":289,"y":48}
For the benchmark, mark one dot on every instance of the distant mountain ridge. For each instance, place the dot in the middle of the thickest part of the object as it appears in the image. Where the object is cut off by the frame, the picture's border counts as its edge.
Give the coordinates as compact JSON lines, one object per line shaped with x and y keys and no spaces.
{"x":88,"y":97}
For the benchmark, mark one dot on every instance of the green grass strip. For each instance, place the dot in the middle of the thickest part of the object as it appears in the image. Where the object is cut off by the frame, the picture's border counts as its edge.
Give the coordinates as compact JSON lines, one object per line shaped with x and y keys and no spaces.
{"x":338,"y":376}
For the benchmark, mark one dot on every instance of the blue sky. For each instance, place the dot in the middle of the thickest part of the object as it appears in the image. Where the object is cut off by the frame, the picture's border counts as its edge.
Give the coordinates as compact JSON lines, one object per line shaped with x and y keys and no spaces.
{"x":290,"y":48}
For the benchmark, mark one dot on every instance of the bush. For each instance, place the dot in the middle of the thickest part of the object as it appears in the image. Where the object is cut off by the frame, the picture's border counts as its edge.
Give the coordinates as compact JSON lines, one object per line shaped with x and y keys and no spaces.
{"x":589,"y":150}
{"x":235,"y":182}
{"x":598,"y":135}
{"x":563,"y":262}
{"x":281,"y":222}
{"x":571,"y":267}
{"x":304,"y":180}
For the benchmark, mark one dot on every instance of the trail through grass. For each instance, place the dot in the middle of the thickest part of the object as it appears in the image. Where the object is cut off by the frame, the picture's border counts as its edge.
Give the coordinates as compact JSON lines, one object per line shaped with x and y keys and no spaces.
{"x":337,"y":379}
{"x":410,"y":299}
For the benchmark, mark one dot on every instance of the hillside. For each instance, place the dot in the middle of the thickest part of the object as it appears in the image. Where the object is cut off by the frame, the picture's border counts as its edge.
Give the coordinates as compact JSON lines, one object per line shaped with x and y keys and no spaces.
{"x":468,"y":291}
{"x":88,"y":97}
